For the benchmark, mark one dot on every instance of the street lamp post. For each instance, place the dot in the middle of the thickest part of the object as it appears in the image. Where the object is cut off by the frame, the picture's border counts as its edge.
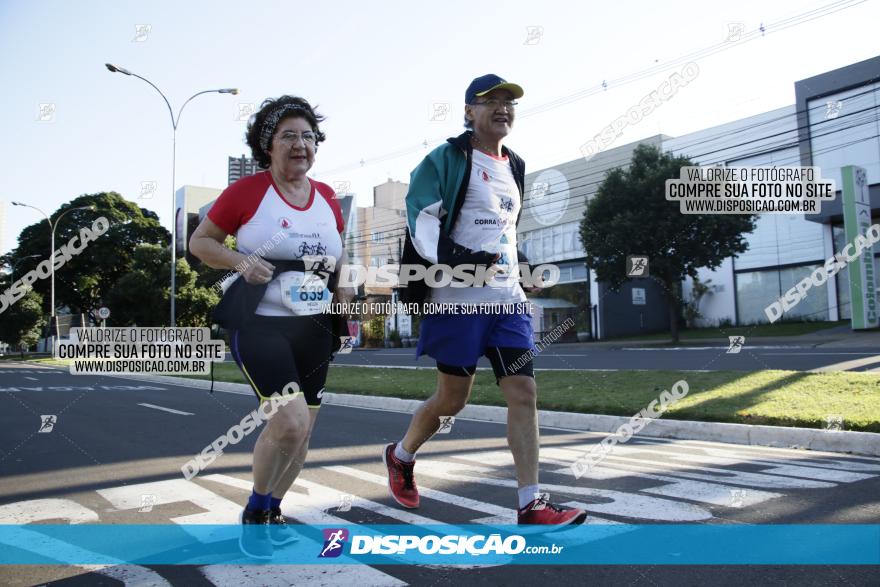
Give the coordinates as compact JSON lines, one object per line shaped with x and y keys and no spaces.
{"x":14,"y":264}
{"x":174,"y":123}
{"x":52,"y":227}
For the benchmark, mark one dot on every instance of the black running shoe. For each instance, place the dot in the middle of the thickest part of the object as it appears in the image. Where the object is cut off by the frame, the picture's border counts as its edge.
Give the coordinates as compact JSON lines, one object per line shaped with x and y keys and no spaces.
{"x":255,"y":540}
{"x":280,"y":531}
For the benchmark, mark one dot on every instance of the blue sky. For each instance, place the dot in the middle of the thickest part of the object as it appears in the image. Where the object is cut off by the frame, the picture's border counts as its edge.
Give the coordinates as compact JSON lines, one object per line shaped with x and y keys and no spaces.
{"x":376,"y":70}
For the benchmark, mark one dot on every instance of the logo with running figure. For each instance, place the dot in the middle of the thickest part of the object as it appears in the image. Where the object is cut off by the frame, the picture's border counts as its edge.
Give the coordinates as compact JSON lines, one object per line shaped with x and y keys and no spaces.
{"x":334,"y":538}
{"x":47,"y":423}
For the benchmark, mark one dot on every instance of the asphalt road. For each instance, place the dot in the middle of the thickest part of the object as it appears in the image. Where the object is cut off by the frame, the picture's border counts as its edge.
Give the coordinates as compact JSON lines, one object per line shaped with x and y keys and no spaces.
{"x":704,"y":358}
{"x":115,"y":441}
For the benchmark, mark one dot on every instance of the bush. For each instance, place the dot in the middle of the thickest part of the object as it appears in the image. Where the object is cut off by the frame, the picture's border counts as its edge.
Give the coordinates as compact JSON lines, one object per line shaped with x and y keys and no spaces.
{"x":374,"y":331}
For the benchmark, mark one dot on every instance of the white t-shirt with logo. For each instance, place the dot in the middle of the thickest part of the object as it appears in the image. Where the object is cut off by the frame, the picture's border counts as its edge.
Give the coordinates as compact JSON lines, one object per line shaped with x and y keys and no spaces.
{"x":253,"y":210}
{"x":487,"y":222}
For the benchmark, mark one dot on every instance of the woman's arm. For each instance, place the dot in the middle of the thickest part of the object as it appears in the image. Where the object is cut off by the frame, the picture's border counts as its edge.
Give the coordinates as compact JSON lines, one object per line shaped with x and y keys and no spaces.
{"x":206,"y":243}
{"x":343,"y":295}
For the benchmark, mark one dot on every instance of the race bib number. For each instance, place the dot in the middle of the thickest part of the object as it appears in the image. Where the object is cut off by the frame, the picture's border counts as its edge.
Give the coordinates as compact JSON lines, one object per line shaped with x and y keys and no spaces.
{"x":305,"y":294}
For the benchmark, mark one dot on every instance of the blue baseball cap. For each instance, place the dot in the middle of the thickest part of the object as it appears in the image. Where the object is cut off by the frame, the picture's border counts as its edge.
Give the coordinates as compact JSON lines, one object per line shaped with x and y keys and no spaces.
{"x":486,"y":83}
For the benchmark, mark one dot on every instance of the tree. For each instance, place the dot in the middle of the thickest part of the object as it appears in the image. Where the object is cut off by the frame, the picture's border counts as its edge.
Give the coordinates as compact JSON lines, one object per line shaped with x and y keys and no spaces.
{"x":630,"y":215}
{"x":83,"y":281}
{"x":141,"y":296}
{"x":23,"y":321}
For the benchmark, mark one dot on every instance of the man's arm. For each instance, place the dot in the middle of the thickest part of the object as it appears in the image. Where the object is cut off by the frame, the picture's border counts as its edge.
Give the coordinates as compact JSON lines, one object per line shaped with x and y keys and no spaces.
{"x":424,"y":202}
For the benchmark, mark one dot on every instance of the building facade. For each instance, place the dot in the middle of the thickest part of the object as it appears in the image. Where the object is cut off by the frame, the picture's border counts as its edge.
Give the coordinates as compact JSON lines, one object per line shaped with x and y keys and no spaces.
{"x":239,"y":167}
{"x":834,"y":123}
{"x":380,"y":230}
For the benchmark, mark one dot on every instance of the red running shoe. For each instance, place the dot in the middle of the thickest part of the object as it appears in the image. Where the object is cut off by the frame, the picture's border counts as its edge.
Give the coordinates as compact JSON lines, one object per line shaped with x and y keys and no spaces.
{"x":401,"y":482}
{"x":541,"y":511}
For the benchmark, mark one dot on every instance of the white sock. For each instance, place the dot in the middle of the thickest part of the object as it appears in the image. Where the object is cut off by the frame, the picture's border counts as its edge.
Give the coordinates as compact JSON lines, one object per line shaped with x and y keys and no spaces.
{"x":401,"y":455}
{"x":526,"y":495}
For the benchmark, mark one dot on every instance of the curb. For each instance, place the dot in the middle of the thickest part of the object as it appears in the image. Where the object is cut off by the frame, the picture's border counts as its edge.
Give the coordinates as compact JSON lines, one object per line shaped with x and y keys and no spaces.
{"x":859,"y":443}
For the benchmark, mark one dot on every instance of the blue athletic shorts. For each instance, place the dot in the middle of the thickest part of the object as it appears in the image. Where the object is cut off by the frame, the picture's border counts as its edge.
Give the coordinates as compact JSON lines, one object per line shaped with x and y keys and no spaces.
{"x":457,"y":341}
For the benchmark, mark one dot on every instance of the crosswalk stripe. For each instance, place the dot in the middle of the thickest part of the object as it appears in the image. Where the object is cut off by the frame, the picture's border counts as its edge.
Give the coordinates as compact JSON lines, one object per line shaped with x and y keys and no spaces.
{"x":787,"y":454}
{"x":611,"y":502}
{"x":324,"y":498}
{"x":701,"y":491}
{"x":832,"y":475}
{"x":309,"y":575}
{"x":218,"y":510}
{"x":457,"y":500}
{"x":618,"y":459}
{"x":311,"y":508}
{"x":748,"y":454}
{"x":500,"y":516}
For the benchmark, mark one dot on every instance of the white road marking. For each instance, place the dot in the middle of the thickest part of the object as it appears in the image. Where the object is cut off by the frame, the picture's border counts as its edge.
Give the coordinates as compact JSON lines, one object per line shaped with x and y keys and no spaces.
{"x":618,"y":459}
{"x":32,"y":378}
{"x":286,"y":575}
{"x":701,"y":491}
{"x":608,"y":501}
{"x":217,"y":509}
{"x":129,"y":575}
{"x":834,"y":476}
{"x":762,"y":454}
{"x":536,"y":369}
{"x":35,"y":510}
{"x":500,"y":516}
{"x":169,"y":410}
{"x":457,"y":500}
{"x":708,"y":348}
{"x":323,"y":499}
{"x":81,"y":388}
{"x":817,"y":354}
{"x":313,"y":508}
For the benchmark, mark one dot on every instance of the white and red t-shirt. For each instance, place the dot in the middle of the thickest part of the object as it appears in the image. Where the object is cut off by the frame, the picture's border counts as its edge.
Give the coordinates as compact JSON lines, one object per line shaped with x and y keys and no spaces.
{"x":254,"y":211}
{"x":487,"y":222}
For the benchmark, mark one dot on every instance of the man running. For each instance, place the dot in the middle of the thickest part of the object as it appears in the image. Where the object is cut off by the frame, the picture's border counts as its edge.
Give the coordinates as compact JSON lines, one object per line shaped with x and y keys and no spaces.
{"x":463,"y":206}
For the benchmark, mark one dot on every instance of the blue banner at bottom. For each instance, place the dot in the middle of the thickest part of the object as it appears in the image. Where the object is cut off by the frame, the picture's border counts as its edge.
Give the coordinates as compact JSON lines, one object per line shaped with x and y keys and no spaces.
{"x":619,"y":544}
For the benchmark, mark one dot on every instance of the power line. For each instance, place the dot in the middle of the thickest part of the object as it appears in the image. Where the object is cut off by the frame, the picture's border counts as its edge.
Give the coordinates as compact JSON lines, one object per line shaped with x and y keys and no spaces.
{"x":768,"y":149}
{"x":780,"y":25}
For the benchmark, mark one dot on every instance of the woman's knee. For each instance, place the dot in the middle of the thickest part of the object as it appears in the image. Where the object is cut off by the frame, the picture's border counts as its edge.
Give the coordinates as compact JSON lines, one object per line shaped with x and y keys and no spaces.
{"x":290,"y":426}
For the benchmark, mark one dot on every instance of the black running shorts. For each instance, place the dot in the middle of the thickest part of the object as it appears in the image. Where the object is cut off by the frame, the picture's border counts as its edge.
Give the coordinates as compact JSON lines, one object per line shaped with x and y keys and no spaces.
{"x":505,"y":361}
{"x":272,"y":351}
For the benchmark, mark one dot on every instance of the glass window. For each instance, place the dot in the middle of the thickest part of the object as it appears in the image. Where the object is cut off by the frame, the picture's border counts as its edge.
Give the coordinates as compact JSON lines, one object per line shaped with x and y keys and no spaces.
{"x":755,"y":290}
{"x":814,"y":306}
{"x":557,"y":241}
{"x":844,"y":301}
